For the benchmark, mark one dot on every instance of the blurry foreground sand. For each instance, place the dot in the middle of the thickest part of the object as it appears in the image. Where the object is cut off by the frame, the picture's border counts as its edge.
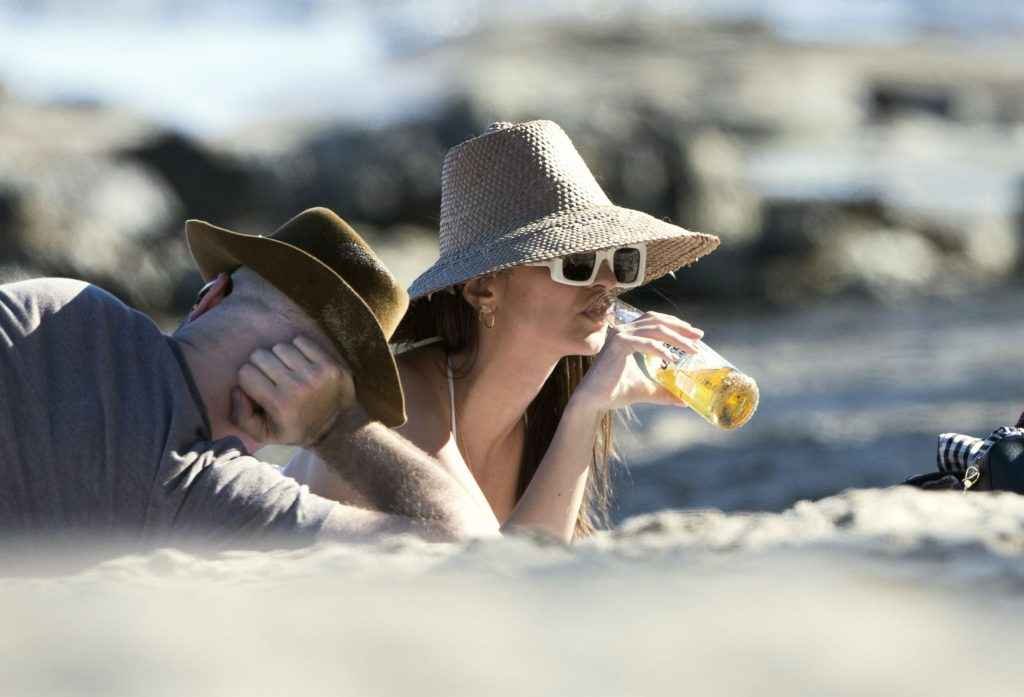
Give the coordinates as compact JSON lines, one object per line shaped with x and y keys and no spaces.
{"x":871,"y":592}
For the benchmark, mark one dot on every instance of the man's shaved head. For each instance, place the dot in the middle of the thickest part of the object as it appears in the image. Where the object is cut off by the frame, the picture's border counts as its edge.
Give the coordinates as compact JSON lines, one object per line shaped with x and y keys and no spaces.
{"x":253,"y":307}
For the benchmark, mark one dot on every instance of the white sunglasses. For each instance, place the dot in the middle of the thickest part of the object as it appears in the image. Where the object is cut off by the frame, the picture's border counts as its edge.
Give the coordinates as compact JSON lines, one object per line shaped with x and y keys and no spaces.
{"x":628,"y":263}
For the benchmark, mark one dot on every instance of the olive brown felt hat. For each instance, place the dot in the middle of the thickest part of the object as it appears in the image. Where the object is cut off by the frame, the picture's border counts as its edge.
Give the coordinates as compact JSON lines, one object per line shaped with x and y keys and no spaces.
{"x":521,"y":193}
{"x":326,"y":268}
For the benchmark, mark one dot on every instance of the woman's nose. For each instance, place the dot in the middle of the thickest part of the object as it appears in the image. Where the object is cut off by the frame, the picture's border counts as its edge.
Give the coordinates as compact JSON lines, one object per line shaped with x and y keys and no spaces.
{"x":605,"y":275}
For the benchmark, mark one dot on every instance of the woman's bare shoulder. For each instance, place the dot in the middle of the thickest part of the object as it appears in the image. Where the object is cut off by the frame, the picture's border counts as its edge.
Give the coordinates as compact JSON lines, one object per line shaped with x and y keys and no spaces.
{"x":422,"y":372}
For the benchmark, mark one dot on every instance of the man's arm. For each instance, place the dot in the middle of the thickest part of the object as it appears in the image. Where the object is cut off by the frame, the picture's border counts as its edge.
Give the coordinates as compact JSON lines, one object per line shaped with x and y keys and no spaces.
{"x":396,"y":477}
{"x":224,"y":497}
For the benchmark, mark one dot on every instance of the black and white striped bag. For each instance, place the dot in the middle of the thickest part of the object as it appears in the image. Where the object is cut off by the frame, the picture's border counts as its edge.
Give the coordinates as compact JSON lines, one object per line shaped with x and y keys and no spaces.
{"x":966,"y":456}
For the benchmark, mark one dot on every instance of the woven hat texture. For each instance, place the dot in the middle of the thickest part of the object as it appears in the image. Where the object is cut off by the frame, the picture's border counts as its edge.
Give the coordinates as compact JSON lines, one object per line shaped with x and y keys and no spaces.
{"x":521,"y":193}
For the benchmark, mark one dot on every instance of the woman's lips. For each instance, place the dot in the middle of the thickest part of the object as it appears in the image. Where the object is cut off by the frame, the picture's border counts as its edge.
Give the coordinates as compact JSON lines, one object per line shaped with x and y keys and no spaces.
{"x":598,"y":309}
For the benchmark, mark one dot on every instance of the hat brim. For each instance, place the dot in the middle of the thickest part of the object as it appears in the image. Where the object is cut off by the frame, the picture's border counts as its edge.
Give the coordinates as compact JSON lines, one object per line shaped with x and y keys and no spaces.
{"x":323,"y":295}
{"x":669,"y":247}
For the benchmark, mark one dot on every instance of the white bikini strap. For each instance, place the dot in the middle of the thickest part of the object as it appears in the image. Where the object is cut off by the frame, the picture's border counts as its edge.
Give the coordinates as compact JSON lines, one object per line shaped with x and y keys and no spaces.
{"x":404,"y":347}
{"x":451,"y":396}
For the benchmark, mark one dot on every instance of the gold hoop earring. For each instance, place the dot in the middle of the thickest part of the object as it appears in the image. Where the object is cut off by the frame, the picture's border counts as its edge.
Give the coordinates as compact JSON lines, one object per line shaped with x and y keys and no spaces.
{"x":487,"y":316}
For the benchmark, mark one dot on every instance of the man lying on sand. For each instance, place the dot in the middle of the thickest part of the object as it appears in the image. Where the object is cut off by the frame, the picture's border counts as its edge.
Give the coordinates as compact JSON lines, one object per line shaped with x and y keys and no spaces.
{"x":109,"y":427}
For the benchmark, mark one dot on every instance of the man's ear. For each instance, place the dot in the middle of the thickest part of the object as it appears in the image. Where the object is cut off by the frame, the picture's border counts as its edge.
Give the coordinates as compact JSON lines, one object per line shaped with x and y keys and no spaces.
{"x":211,"y":295}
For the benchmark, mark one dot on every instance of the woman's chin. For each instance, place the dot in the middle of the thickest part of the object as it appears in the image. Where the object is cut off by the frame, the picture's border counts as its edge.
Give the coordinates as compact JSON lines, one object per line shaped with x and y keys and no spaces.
{"x":593,"y":342}
{"x":583,"y":338}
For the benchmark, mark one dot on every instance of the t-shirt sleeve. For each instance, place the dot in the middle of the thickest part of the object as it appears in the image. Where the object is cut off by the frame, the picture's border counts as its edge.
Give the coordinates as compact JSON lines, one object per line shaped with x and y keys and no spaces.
{"x":87,"y":404}
{"x":231,"y":499}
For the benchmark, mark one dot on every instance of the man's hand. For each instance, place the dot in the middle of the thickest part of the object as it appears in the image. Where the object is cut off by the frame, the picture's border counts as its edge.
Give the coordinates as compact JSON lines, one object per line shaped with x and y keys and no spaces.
{"x":291,"y":394}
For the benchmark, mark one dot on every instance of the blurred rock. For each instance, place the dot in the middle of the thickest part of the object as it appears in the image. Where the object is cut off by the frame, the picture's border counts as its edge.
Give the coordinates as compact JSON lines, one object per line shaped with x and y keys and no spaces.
{"x":960,"y":102}
{"x":809,"y":161}
{"x":12,"y":273}
{"x":1018,"y":217}
{"x":712,"y":194}
{"x":673,"y":170}
{"x":728,"y":275}
{"x":97,"y":194}
{"x":95,"y":219}
{"x":819,"y":248}
{"x":655,"y":110}
{"x":992,"y":247}
{"x":666,"y":117}
{"x":636,"y":152}
{"x":28,"y":129}
{"x":1010,"y":107}
{"x":741,"y":79}
{"x":983,"y":248}
{"x":407,"y":250}
{"x":825,"y":249}
{"x":885,"y":264}
{"x":814,"y":248}
{"x":955,"y":97}
{"x":784,"y":263}
{"x":799,"y":226}
{"x":210,"y":184}
{"x":9,"y":214}
{"x":383,"y":175}
{"x":644,"y":158}
{"x":687,"y":174}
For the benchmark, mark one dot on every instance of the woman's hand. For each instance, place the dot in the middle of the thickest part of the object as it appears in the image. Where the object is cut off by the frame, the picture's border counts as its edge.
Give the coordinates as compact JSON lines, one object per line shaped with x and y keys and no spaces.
{"x":615,"y":380}
{"x":291,"y":394}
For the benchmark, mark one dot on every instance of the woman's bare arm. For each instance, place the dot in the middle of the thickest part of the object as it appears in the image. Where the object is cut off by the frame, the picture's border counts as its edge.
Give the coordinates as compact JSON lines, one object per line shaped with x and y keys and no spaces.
{"x":552,"y":501}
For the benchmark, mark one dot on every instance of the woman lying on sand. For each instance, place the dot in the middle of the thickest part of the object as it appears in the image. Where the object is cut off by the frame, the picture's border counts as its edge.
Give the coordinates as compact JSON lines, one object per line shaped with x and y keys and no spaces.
{"x":512,"y":367}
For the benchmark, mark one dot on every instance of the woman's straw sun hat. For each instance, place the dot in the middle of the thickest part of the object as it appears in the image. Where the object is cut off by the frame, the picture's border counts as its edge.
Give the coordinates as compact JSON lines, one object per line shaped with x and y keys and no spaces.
{"x":521,"y":193}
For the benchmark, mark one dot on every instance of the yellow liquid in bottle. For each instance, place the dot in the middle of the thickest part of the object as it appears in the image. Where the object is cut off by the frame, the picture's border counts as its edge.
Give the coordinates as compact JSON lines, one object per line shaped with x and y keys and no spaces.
{"x":725,"y":397}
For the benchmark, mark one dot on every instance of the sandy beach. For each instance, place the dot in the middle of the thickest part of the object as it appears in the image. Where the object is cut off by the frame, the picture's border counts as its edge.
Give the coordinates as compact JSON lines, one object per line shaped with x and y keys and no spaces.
{"x":873,"y":592}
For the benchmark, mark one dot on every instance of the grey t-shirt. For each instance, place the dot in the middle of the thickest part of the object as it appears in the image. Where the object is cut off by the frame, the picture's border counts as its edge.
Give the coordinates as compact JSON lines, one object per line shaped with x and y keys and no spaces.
{"x":102,"y":431}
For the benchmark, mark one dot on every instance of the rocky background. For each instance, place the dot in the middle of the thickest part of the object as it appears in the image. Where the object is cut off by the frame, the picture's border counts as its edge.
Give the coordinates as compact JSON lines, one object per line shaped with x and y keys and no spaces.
{"x":858,"y":170}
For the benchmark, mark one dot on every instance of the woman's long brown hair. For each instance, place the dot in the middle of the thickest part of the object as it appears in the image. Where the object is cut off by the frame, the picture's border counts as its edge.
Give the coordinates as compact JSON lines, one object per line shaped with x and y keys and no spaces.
{"x":449,"y":316}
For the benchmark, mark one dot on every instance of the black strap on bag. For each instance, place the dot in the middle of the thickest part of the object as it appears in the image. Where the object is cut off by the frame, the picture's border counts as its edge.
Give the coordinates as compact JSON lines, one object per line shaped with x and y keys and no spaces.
{"x":966,"y":463}
{"x":1003,"y":467}
{"x":936,"y":481}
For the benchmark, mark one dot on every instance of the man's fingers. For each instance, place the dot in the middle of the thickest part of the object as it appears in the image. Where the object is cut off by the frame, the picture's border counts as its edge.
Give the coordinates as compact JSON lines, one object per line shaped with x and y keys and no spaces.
{"x":257,"y":385}
{"x":271,"y":366}
{"x":245,"y":416}
{"x":292,"y":357}
{"x":312,"y":351}
{"x":325,"y":366}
